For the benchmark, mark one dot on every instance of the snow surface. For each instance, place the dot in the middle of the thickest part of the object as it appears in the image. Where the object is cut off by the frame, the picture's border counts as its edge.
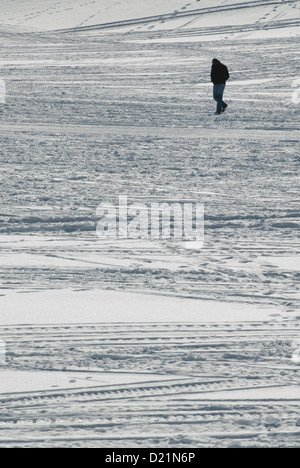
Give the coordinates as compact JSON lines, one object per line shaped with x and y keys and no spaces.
{"x":59,"y":307}
{"x":138,"y":342}
{"x":153,"y":15}
{"x":23,"y":382}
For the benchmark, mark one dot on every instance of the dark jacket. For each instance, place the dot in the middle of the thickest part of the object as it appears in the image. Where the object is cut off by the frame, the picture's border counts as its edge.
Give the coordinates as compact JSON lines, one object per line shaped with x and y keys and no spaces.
{"x":219,"y":73}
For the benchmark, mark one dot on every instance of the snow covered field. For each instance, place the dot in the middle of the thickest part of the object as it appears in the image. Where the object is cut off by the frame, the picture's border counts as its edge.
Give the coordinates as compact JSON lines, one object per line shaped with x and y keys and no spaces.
{"x":123,"y":343}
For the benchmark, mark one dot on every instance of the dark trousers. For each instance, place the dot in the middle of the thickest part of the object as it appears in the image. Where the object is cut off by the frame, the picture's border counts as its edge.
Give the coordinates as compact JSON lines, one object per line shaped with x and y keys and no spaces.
{"x":218,"y":96}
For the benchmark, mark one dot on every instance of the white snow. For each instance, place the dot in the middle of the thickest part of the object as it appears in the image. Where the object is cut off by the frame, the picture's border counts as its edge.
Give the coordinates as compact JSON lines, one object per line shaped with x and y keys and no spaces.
{"x":123,"y":343}
{"x":64,"y":14}
{"x":59,"y":307}
{"x":280,"y":393}
{"x":13,"y":382}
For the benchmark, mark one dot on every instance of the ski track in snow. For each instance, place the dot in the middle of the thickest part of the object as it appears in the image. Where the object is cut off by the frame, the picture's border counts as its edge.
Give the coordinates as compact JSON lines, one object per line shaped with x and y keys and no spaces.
{"x":90,"y":119}
{"x":184,"y":385}
{"x":150,"y":15}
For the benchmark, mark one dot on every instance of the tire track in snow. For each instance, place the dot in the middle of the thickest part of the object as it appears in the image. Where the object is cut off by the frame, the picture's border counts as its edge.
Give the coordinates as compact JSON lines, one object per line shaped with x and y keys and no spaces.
{"x":175,"y":15}
{"x":164,"y":411}
{"x":170,"y":132}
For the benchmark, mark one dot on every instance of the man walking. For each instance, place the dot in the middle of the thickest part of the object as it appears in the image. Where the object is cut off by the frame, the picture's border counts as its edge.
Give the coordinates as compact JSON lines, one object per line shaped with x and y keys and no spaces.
{"x":219,"y":76}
